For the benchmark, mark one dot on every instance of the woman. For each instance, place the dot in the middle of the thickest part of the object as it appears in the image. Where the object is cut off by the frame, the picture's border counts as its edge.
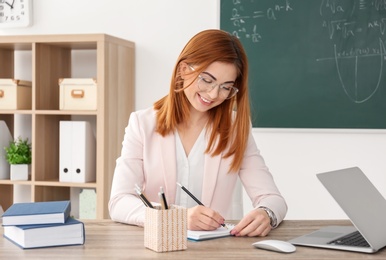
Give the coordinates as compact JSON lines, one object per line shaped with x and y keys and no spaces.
{"x":198,"y":135}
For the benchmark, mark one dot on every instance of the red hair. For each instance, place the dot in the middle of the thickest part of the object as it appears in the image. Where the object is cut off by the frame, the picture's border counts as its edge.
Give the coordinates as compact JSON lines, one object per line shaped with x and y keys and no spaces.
{"x":228,"y":129}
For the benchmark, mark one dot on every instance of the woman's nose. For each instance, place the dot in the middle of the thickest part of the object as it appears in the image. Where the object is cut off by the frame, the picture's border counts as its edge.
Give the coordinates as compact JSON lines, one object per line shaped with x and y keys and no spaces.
{"x":214,"y":92}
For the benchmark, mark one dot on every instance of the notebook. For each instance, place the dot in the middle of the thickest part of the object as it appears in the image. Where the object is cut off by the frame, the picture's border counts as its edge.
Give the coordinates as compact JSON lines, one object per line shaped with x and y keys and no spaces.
{"x":204,"y":235}
{"x":364,"y":205}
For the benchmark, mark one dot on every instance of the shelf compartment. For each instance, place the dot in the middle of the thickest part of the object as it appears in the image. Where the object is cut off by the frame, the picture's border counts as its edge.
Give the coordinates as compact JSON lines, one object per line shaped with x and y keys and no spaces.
{"x":51,"y":193}
{"x":7,"y":61}
{"x":55,"y":62}
{"x":8,"y":67}
{"x":9,"y":120}
{"x":6,"y":201}
{"x":45,"y":149}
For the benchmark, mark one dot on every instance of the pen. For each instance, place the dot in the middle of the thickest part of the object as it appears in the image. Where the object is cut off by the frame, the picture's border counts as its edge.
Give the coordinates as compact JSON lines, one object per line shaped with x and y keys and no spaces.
{"x":193,"y":197}
{"x":163,"y":199}
{"x":143,"y":197}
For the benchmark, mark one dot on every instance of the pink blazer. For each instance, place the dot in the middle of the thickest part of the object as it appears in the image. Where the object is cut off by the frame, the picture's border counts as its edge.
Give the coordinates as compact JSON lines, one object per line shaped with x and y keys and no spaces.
{"x":149,"y":160}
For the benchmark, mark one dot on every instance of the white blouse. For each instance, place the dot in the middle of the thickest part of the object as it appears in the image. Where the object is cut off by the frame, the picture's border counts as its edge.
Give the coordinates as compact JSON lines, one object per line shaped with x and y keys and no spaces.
{"x":190,"y":170}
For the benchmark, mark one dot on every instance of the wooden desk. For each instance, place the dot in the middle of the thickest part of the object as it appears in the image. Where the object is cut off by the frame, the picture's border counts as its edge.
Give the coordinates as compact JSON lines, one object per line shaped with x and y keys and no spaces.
{"x":109,"y":240}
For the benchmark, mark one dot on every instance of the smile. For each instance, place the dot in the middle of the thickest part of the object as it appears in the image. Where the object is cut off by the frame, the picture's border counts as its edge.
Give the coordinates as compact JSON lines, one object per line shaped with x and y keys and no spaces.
{"x":205,"y":100}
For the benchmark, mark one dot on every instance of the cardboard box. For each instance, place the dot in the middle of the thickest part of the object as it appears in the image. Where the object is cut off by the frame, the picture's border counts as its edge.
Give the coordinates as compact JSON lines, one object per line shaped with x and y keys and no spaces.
{"x":78,"y":94}
{"x":15,"y":94}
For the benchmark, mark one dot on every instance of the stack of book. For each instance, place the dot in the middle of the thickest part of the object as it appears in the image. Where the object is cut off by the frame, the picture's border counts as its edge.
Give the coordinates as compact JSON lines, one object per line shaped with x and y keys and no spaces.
{"x":42,"y":224}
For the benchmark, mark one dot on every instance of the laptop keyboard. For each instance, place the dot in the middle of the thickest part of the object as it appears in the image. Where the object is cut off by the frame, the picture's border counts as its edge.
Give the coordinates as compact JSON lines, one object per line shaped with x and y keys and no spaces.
{"x":352,"y":239}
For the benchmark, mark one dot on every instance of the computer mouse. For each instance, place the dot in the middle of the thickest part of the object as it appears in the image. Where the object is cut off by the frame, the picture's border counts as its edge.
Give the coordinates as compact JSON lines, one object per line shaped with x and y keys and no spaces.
{"x":275,"y":245}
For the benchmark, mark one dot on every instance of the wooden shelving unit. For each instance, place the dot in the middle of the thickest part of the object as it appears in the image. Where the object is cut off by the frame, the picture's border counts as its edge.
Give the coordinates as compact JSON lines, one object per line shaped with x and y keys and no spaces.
{"x":51,"y":60}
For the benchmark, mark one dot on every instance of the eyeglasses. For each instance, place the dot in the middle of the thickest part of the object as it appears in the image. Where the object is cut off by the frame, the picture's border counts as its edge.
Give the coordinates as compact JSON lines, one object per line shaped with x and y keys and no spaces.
{"x":207,"y":84}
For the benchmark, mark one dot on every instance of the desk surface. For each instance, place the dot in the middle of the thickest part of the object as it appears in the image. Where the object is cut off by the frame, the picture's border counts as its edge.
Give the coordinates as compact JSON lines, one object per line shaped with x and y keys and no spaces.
{"x":106,"y":239}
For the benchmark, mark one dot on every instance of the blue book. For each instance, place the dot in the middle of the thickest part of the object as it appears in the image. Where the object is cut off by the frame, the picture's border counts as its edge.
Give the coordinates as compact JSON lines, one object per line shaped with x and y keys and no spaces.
{"x":30,"y":213}
{"x":46,"y":235}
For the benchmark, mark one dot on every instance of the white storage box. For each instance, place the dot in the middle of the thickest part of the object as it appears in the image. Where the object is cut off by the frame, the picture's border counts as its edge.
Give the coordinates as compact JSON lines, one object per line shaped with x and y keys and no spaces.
{"x":78,"y":94}
{"x":15,"y":94}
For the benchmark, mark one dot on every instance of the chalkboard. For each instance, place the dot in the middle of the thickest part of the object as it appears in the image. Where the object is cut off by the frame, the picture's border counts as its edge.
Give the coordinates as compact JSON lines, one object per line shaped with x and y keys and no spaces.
{"x":313,"y":63}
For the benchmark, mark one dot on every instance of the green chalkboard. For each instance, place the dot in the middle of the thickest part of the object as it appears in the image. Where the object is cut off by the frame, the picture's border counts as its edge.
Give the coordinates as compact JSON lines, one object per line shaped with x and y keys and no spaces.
{"x":313,"y":63}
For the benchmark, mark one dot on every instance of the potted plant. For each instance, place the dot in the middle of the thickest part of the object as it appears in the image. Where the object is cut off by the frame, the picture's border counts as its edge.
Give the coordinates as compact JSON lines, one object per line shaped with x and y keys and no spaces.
{"x":19,"y":156}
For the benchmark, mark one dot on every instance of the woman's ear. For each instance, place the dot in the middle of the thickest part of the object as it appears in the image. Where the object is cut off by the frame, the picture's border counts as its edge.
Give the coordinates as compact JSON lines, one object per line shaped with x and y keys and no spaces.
{"x":184,"y":69}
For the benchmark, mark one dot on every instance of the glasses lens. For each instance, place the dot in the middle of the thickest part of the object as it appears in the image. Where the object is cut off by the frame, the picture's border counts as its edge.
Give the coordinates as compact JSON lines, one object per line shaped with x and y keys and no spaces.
{"x":205,"y":83}
{"x":225,"y":90}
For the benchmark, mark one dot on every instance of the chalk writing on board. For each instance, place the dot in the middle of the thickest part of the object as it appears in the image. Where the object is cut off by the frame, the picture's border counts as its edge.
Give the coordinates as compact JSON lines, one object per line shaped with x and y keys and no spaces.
{"x":356,"y":30}
{"x":241,"y":20}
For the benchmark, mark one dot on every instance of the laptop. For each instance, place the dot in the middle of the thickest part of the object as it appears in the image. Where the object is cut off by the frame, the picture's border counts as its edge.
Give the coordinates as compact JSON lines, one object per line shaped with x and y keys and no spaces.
{"x":363,"y":204}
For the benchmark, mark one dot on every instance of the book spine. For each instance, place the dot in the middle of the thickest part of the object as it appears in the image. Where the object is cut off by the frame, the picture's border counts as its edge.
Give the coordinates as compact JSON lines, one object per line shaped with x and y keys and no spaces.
{"x":67,"y":212}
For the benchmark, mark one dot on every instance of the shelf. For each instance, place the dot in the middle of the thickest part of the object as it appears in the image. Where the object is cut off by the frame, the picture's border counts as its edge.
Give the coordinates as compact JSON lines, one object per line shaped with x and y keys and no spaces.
{"x":52,"y":183}
{"x":56,"y":183}
{"x":49,"y":112}
{"x":12,"y":112}
{"x":51,"y":57}
{"x":66,"y":112}
{"x":9,"y":182}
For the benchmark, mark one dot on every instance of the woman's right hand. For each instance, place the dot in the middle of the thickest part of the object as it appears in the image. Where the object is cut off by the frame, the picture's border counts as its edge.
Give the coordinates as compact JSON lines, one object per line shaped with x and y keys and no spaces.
{"x":203,"y":218}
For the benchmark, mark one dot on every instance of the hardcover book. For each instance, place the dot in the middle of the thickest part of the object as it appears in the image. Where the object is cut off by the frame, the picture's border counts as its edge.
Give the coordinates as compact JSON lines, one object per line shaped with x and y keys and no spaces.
{"x":30,"y":213}
{"x":47,"y":235}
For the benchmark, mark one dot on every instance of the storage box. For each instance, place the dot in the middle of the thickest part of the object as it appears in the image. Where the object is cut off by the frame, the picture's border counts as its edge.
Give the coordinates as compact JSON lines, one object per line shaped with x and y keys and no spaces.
{"x":15,"y":94}
{"x":166,"y":230}
{"x":78,"y":94}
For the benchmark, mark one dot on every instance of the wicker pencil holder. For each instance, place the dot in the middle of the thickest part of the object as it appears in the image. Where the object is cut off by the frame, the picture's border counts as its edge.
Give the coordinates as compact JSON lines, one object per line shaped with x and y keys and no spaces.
{"x":166,"y":230}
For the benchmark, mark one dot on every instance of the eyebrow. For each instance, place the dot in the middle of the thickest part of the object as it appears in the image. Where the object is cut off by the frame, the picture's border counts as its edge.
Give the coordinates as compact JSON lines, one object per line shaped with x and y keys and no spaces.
{"x":213,"y":77}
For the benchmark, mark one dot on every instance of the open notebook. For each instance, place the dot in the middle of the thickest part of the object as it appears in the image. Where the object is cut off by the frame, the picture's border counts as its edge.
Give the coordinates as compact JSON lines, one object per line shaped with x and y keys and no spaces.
{"x":204,"y":235}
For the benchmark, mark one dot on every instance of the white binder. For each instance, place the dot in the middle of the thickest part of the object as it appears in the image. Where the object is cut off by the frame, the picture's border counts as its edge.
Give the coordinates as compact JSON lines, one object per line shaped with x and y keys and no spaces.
{"x":76,"y":152}
{"x":5,"y":138}
{"x":65,"y":151}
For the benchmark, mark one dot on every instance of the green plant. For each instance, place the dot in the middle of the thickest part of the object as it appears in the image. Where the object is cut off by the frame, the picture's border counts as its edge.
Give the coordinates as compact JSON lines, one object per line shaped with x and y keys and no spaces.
{"x":19,"y":152}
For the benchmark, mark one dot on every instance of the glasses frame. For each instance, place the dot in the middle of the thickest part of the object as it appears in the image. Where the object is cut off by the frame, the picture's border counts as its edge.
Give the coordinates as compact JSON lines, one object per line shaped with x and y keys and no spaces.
{"x":233,"y":92}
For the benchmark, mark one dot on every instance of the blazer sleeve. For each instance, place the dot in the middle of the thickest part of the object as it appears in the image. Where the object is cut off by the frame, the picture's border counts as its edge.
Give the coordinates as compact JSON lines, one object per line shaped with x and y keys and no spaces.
{"x":259,"y":183}
{"x":124,"y":205}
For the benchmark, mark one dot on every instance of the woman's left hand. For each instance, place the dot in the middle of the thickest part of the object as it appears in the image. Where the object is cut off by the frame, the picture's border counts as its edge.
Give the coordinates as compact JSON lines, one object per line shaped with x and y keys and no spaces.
{"x":255,"y":223}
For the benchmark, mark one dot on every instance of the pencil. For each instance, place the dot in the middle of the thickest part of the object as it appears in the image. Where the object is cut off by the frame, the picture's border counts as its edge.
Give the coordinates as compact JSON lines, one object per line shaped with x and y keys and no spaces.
{"x":195,"y":199}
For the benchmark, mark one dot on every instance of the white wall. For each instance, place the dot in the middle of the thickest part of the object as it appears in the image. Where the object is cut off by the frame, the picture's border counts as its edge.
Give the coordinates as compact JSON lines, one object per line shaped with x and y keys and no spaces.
{"x":295,"y":156}
{"x":160,"y":29}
